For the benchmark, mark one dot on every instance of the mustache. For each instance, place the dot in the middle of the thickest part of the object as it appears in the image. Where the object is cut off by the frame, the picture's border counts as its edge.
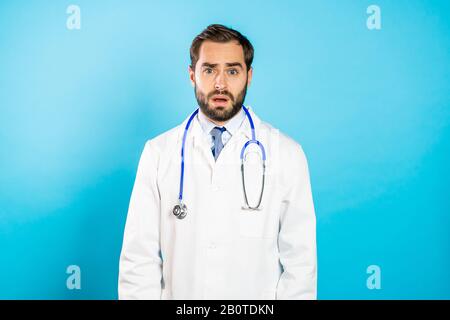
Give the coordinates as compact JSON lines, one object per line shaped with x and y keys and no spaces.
{"x":224,"y":93}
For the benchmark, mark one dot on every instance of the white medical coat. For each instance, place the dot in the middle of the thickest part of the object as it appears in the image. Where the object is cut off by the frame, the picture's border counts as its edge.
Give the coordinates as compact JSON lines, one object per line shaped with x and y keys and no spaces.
{"x":219,"y":250}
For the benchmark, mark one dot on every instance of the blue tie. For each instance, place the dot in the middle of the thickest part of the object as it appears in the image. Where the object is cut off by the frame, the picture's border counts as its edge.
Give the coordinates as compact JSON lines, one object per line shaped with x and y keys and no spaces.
{"x":216,"y":133}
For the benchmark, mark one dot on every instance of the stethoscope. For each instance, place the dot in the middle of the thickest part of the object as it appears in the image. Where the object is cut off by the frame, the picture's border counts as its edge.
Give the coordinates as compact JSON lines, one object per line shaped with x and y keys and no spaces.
{"x":180,"y":210}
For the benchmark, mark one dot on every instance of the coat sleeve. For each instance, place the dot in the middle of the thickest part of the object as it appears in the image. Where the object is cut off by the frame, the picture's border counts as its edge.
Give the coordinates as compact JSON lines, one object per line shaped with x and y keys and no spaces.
{"x":297,"y":233}
{"x":140,"y":266}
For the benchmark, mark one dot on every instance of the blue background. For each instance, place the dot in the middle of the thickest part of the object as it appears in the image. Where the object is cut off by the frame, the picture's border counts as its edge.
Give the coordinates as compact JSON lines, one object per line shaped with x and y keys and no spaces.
{"x":370,"y":108}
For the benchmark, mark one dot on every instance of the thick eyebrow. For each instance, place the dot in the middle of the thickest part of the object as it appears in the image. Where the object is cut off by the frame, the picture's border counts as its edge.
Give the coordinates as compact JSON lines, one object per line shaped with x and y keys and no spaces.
{"x":234,"y":64}
{"x":213,"y":65}
{"x":210,"y":65}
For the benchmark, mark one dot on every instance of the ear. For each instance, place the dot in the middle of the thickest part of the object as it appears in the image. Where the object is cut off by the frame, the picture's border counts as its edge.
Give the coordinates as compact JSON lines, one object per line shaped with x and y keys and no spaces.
{"x":249,"y":76}
{"x":191,"y":76}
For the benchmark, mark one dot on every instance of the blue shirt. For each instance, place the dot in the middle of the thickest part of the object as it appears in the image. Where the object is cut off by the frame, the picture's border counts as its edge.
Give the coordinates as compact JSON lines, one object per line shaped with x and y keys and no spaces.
{"x":231,"y":125}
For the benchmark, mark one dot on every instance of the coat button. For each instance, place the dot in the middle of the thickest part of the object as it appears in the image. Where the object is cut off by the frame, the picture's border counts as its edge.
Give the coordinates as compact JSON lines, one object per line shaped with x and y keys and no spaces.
{"x":212,"y":245}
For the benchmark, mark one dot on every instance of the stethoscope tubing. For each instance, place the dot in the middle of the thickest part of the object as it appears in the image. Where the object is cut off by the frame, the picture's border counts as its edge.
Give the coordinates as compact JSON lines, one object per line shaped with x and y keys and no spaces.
{"x":252,"y":141}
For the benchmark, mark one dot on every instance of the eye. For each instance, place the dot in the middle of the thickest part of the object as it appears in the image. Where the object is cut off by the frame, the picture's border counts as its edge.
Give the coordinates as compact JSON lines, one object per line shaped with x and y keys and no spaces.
{"x":233,"y":72}
{"x":208,"y":70}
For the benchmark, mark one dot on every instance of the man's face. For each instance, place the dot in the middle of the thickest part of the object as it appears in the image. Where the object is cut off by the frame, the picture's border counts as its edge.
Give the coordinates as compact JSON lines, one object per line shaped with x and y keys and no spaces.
{"x":220,"y":79}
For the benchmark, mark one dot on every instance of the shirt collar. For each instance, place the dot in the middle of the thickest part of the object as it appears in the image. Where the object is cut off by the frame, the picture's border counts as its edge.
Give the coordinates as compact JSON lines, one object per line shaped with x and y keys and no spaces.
{"x":231,"y":125}
{"x":197,"y":132}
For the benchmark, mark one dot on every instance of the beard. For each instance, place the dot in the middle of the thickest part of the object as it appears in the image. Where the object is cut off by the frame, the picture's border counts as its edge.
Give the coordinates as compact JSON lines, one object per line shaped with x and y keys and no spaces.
{"x":220,"y":114}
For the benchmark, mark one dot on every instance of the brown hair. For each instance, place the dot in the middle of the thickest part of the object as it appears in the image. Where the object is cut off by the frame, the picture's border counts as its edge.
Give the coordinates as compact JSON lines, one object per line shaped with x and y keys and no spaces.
{"x":222,"y":34}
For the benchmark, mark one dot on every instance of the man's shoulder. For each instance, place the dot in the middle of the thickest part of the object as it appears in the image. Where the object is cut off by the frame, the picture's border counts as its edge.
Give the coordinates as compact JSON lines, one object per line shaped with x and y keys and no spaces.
{"x":287,"y":153}
{"x":164,"y":139}
{"x":286,"y":143}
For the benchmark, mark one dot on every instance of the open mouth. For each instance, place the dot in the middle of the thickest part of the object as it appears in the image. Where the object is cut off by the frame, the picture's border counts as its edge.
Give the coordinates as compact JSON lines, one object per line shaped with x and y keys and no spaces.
{"x":220,"y":99}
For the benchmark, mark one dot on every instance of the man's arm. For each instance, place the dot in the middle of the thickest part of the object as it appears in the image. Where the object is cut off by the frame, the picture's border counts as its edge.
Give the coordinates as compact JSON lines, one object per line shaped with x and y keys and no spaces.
{"x":140,"y":267}
{"x":297,"y":235}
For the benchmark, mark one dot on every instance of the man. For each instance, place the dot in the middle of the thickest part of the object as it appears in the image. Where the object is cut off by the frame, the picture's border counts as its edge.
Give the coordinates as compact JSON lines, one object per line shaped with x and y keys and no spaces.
{"x":221,"y":249}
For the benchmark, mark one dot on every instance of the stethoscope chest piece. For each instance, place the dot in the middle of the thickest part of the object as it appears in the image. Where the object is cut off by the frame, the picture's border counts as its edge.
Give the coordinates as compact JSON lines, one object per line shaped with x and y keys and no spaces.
{"x":180,"y":211}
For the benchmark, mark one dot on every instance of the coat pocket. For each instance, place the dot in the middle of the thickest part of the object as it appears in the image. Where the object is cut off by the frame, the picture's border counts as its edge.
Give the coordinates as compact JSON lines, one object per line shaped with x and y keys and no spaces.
{"x":257,"y":223}
{"x":263,"y":222}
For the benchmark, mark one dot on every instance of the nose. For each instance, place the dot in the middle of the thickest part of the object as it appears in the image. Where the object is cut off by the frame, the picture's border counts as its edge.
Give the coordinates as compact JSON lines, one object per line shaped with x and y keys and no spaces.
{"x":220,"y":84}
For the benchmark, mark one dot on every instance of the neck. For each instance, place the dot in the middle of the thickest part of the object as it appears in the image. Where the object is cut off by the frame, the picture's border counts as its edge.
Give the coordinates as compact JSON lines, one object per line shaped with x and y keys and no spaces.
{"x":218,"y":123}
